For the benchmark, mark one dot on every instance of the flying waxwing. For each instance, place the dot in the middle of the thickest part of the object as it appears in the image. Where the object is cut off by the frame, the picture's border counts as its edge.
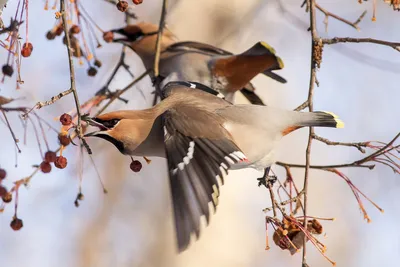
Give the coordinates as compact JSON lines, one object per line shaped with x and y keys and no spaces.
{"x":204,"y":137}
{"x":203,"y":63}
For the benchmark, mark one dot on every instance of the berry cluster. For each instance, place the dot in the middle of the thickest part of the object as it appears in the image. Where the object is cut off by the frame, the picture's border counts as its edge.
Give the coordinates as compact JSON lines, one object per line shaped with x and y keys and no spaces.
{"x":123,"y":5}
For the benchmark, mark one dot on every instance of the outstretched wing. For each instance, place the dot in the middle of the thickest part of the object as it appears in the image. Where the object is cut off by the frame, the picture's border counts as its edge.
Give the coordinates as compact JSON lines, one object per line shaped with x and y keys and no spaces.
{"x":199,"y":152}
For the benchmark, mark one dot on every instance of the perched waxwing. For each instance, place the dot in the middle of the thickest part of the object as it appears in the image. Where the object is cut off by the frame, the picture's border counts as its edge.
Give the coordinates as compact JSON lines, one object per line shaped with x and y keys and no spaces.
{"x":203,"y":63}
{"x":202,"y":136}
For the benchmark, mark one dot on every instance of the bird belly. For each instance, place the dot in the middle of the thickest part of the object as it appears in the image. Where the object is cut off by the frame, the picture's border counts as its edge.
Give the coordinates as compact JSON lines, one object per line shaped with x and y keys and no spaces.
{"x":257,"y":144}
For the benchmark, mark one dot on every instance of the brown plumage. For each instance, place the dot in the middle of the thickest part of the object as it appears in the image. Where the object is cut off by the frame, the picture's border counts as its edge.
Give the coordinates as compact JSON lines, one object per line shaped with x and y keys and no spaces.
{"x":203,"y":137}
{"x":203,"y":63}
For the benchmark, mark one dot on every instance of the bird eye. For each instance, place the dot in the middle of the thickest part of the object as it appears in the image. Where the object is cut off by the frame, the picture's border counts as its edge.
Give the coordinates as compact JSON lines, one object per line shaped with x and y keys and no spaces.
{"x":111,"y":123}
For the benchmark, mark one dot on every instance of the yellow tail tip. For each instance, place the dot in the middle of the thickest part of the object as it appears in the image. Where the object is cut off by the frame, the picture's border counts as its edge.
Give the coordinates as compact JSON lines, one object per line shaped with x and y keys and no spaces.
{"x":339,"y":123}
{"x":268,"y":47}
{"x":331,"y":113}
{"x":272,"y":51}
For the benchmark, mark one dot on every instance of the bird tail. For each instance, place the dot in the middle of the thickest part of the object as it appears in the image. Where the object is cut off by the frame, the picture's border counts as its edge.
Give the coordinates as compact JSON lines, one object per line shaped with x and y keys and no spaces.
{"x":264,"y":49}
{"x":313,"y":119}
{"x":320,"y":119}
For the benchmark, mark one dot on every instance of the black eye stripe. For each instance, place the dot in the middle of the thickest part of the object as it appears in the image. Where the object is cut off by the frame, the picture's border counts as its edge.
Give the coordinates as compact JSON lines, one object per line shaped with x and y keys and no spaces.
{"x":108,"y":123}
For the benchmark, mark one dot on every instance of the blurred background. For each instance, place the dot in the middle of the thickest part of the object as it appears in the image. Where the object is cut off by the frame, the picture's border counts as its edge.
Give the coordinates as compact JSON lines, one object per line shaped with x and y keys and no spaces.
{"x":132,"y":224}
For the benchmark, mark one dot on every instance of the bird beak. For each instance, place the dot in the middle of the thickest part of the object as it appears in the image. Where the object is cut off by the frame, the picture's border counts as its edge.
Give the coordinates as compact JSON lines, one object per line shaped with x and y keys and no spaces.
{"x":93,"y":122}
{"x":125,"y":40}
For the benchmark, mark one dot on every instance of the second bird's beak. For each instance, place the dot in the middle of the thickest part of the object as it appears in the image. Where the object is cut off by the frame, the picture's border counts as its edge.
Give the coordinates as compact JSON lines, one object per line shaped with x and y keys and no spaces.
{"x":124,"y":40}
{"x":93,"y":122}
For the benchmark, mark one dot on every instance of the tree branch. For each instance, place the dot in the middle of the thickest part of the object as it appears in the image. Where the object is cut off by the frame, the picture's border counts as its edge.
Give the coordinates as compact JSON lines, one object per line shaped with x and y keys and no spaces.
{"x":358,"y":145}
{"x":336,"y":40}
{"x":314,"y":44}
{"x":71,"y":68}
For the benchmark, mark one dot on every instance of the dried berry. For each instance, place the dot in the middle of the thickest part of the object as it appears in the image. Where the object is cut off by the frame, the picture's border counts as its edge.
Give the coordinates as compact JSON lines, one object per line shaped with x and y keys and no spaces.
{"x":108,"y":37}
{"x":45,"y":167}
{"x":66,"y":119}
{"x":75,"y":29}
{"x":50,"y":35}
{"x":7,"y":198}
{"x":50,"y":156}
{"x":7,"y":70}
{"x":64,"y":139}
{"x":61,"y":162}
{"x":122,"y":6}
{"x":27,"y":49}
{"x":136,"y":166}
{"x":16,"y":224}
{"x":92,"y":71}
{"x":3,"y":174}
{"x":3,"y":191}
{"x":97,"y":63}
{"x":137,"y":2}
{"x":59,"y":30}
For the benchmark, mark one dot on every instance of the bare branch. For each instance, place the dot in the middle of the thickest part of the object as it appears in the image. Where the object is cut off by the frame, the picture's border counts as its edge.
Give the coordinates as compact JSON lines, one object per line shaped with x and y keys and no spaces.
{"x":358,"y":145}
{"x":336,"y":40}
{"x":330,"y":14}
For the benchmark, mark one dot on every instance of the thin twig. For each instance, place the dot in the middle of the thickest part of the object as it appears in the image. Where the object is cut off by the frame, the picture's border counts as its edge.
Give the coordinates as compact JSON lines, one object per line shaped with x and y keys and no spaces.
{"x":52,"y":100}
{"x":330,"y":14}
{"x":71,"y":68}
{"x":358,"y":145}
{"x":159,"y":38}
{"x":336,"y":40}
{"x":314,"y":37}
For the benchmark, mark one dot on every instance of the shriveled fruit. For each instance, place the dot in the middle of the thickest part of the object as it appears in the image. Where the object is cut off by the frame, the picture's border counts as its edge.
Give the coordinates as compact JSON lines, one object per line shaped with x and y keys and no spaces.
{"x":27,"y":49}
{"x":7,"y":198}
{"x":64,"y":139}
{"x":75,"y":29}
{"x":7,"y":70}
{"x":61,"y":162}
{"x":50,"y":156}
{"x":122,"y":6}
{"x":92,"y":71}
{"x":3,"y":174}
{"x":16,"y":224}
{"x":108,"y":37}
{"x":3,"y":191}
{"x":136,"y":166}
{"x":50,"y":35}
{"x":45,"y":167}
{"x":66,"y":119}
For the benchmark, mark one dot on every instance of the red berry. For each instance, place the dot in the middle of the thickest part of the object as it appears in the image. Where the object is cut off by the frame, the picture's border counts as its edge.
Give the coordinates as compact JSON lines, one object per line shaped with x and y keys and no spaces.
{"x":108,"y":37}
{"x":7,"y":70}
{"x":136,"y":166}
{"x":7,"y":198}
{"x":75,"y":29}
{"x":50,"y":156}
{"x":16,"y":224}
{"x":122,"y":6}
{"x":61,"y":162}
{"x":3,"y":174}
{"x":66,"y":119}
{"x":59,"y":30}
{"x":3,"y":191}
{"x":64,"y":139}
{"x":27,"y":49}
{"x":45,"y":167}
{"x":92,"y":72}
{"x":137,"y":2}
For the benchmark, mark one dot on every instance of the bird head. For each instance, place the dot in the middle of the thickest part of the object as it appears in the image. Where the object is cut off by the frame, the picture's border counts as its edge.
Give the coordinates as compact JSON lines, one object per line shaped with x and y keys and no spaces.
{"x":142,"y":38}
{"x":134,"y":33}
{"x":121,"y":128}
